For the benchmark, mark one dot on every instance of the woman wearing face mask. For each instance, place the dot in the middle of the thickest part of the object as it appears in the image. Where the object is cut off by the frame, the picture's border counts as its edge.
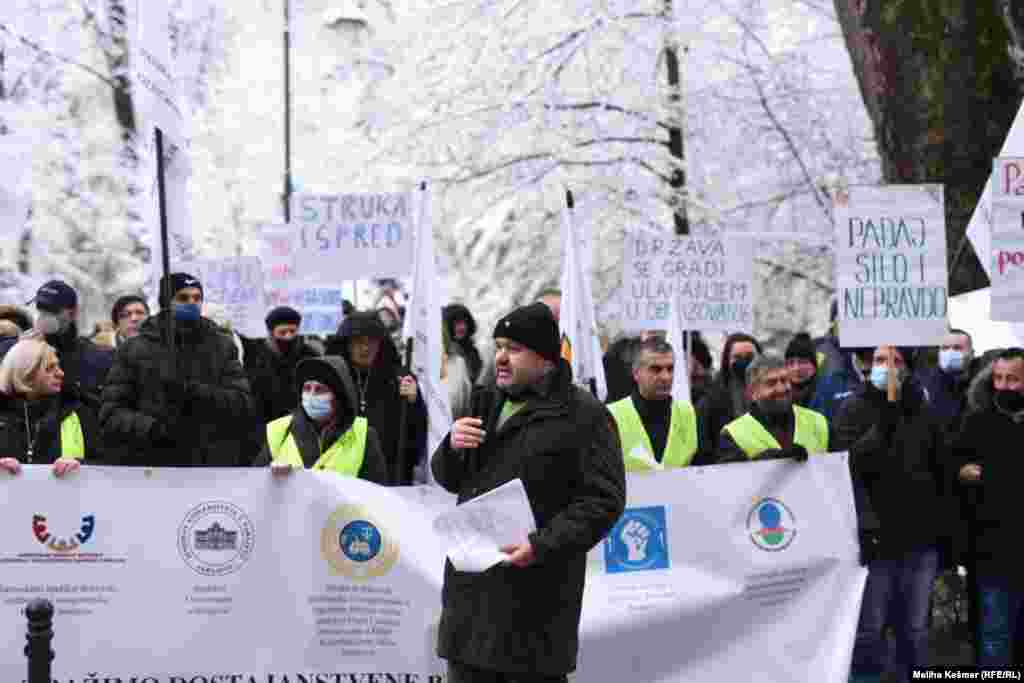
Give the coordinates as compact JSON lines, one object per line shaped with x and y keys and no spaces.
{"x":727,"y":397}
{"x":36,"y":425}
{"x":323,"y":433}
{"x":904,"y":512}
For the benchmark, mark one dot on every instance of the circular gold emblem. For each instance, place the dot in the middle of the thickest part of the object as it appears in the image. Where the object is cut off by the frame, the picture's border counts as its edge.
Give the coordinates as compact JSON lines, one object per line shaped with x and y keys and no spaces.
{"x":356,"y":545}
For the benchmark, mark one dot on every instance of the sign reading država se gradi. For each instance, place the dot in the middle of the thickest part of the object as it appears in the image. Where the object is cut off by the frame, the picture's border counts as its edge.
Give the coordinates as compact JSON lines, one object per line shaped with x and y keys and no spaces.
{"x":711,"y":277}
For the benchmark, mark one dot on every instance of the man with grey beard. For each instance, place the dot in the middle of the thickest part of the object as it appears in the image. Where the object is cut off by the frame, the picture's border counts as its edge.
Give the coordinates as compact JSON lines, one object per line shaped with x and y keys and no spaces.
{"x":774,"y":427}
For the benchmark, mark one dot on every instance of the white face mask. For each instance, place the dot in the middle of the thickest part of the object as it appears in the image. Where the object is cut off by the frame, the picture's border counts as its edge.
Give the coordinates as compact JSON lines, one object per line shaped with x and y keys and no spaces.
{"x":952,"y":360}
{"x":318,"y":406}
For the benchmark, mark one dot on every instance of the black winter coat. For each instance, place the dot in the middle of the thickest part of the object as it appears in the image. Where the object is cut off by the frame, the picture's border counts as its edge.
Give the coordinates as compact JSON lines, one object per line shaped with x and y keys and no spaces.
{"x":209,"y":427}
{"x":332,"y":371}
{"x":272,"y":377}
{"x":380,"y":388}
{"x":992,"y":438}
{"x":85,"y":367}
{"x":42,"y":429}
{"x":563,"y":449}
{"x":901,"y":484}
{"x":714,"y":412}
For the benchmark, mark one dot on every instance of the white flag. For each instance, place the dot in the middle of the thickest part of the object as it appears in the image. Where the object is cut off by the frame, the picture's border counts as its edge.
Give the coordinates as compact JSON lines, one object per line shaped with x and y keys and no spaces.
{"x":423,"y":323}
{"x":681,"y":376}
{"x":580,"y":343}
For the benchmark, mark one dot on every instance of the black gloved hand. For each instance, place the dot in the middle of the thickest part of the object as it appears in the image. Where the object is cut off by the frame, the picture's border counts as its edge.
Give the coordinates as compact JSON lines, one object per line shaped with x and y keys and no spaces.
{"x":889,"y":418}
{"x":797,"y":452}
{"x":163,"y":433}
{"x":870,"y":547}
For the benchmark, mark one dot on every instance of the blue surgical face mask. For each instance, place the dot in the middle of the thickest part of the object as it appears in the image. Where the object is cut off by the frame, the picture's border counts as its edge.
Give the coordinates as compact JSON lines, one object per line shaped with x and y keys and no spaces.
{"x":186,"y":312}
{"x":318,"y":406}
{"x":951,"y":360}
{"x":880,"y":377}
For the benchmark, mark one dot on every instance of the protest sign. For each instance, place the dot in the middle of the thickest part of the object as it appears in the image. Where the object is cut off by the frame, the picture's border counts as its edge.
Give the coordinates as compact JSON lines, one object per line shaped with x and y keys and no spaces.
{"x":319,"y":303}
{"x":177,"y":173}
{"x":1007,"y":240}
{"x":236,"y":286}
{"x":711,"y":276}
{"x":352,"y":236}
{"x":891,"y":265}
{"x":157,"y":96}
{"x":329,"y":579}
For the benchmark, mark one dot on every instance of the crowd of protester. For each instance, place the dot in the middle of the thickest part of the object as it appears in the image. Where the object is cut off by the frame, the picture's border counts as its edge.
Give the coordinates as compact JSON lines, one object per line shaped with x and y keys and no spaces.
{"x":933,"y":466}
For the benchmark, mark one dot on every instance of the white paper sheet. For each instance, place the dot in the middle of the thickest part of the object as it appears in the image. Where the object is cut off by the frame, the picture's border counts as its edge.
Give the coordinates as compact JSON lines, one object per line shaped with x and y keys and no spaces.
{"x":473,"y":531}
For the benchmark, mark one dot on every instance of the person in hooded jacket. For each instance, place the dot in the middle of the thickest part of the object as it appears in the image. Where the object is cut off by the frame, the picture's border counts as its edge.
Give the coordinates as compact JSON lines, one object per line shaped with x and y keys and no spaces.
{"x":382,"y":384}
{"x":986,"y":455}
{"x":901,"y":481}
{"x":180,"y":406}
{"x":37,"y":426}
{"x":323,"y":432}
{"x":802,"y":363}
{"x":270,"y":364}
{"x":461,"y":326}
{"x":728,"y":397}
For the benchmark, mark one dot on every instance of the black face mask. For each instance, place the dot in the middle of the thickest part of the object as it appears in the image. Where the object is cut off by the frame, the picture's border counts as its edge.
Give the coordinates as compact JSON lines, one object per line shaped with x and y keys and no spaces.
{"x":739,"y":367}
{"x":1009,"y":400}
{"x":286,"y":346}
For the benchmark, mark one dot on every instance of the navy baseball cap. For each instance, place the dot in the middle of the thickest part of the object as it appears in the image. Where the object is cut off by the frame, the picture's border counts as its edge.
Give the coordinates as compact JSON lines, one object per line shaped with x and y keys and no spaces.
{"x":55,"y":296}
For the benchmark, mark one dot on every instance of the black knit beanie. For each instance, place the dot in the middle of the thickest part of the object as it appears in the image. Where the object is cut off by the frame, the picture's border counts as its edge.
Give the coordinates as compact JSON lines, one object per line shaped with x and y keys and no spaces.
{"x":535,"y":328}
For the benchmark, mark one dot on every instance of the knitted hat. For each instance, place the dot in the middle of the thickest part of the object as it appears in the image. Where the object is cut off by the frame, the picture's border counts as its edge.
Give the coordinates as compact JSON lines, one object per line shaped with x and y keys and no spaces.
{"x":802,"y":347}
{"x":283,"y":315}
{"x":178,"y":282}
{"x":535,"y":328}
{"x":124,"y":302}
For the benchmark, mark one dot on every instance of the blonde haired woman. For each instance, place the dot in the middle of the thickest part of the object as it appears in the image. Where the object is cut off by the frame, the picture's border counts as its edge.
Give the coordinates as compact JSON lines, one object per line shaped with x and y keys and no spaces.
{"x":36,"y":425}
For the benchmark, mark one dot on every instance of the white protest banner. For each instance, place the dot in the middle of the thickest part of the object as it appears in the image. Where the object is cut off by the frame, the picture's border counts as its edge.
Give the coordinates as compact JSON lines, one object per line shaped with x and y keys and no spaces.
{"x":712,"y":277}
{"x":891,"y":265}
{"x":150,"y":570}
{"x":158,"y":95}
{"x":319,"y":304}
{"x":236,"y":284}
{"x":423,"y":324}
{"x":1007,"y":240}
{"x":353,"y":236}
{"x":577,"y":322}
{"x":328,"y":579}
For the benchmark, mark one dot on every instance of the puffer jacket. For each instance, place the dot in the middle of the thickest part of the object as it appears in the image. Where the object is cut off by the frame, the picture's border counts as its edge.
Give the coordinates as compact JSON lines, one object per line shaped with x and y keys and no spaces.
{"x":208,"y":428}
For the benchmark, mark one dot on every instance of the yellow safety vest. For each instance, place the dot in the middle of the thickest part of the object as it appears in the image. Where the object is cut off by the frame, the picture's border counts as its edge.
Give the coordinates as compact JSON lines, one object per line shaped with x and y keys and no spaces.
{"x":72,"y":440}
{"x":345,"y":456}
{"x":637,"y":450}
{"x":811,"y":432}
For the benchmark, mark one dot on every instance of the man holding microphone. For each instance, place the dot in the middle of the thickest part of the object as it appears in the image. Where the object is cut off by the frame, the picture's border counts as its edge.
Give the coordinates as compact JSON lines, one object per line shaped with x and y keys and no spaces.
{"x":518,"y":622}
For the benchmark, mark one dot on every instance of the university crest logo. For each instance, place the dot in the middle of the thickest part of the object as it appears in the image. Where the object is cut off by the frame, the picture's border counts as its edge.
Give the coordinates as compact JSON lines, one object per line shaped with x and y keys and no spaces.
{"x":216,"y":538}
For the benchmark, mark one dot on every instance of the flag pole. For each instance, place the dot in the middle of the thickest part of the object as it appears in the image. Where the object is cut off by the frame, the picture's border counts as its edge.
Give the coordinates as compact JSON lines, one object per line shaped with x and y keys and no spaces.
{"x":165,"y":281}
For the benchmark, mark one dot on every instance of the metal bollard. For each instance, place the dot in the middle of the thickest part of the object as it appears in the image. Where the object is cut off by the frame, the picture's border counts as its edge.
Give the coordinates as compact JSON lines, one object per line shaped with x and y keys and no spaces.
{"x":40,"y":634}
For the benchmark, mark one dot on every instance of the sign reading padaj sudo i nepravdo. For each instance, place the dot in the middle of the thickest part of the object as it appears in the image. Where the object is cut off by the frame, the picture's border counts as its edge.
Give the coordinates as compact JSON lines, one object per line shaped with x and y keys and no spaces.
{"x":891,"y":265}
{"x":353,"y":236}
{"x":1007,"y":271}
{"x":711,"y":277}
